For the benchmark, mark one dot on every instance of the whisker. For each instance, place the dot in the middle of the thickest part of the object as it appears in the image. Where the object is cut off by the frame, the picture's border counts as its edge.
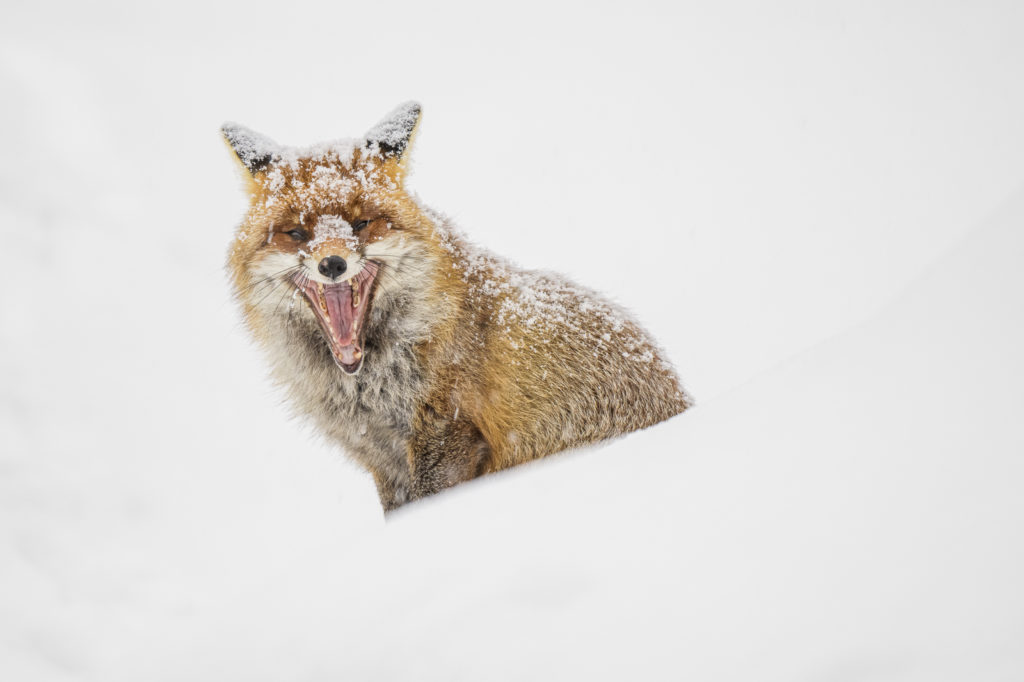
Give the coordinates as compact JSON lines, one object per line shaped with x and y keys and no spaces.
{"x":268,"y":278}
{"x":270,"y":291}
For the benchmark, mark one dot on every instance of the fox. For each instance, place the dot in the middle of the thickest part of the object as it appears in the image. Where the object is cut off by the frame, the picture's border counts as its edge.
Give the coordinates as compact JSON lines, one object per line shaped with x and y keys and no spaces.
{"x":429,"y":360}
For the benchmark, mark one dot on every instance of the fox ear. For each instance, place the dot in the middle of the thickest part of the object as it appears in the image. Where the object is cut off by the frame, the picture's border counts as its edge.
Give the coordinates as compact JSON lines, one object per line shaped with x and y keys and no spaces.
{"x":393,"y":135}
{"x":255,"y":151}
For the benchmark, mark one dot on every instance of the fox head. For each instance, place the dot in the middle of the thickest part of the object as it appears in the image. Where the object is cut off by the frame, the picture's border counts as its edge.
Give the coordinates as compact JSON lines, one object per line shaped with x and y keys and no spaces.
{"x":332,"y":249}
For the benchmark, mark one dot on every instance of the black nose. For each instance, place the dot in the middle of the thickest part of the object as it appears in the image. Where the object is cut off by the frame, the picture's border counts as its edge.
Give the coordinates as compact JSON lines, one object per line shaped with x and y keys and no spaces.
{"x":332,"y":266}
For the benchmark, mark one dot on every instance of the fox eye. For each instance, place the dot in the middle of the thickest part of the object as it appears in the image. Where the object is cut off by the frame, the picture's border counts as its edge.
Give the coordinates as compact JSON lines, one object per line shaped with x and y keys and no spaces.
{"x":298,"y":235}
{"x":359,"y":225}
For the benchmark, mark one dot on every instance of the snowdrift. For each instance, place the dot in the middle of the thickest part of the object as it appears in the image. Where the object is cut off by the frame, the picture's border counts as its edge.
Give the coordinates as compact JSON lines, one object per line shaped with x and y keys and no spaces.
{"x":843,"y":503}
{"x":853,"y":514}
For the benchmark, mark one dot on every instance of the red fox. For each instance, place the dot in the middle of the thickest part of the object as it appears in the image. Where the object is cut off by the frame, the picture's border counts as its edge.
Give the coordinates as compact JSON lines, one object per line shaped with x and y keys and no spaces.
{"x":429,"y":360}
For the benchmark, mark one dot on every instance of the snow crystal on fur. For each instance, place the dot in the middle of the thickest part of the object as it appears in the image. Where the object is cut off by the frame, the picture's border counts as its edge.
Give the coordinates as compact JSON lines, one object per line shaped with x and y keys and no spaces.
{"x":333,"y":227}
{"x":393,"y":132}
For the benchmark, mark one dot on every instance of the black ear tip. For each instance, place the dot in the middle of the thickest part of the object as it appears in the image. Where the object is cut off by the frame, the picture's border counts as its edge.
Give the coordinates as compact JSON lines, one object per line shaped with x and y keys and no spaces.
{"x":234,"y":132}
{"x":228,"y":131}
{"x":391,"y":136}
{"x":258,"y":163}
{"x":254,"y":150}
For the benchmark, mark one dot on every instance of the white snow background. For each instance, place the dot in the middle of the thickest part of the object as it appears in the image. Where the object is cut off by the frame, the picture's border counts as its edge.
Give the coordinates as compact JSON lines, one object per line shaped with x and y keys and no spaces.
{"x":818,"y":208}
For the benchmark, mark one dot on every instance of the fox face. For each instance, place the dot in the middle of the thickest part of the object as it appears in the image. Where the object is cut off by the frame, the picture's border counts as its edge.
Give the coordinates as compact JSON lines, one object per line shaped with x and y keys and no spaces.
{"x":331,"y":240}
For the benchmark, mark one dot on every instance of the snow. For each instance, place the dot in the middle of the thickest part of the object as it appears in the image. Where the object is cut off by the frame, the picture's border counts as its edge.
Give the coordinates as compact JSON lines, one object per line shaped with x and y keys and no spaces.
{"x":308,"y":179}
{"x":815,"y":209}
{"x":394,"y":130}
{"x":542,"y":303}
{"x":253,"y":149}
{"x":854,"y":512}
{"x":332,"y":227}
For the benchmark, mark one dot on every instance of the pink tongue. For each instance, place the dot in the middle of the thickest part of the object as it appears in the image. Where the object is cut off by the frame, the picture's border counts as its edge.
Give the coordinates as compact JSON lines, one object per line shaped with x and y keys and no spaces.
{"x":340,"y":317}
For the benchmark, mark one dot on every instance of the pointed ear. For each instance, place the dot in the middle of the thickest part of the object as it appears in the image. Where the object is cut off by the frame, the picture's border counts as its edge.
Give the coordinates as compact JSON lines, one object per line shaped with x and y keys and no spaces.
{"x":255,"y":151}
{"x":393,"y":135}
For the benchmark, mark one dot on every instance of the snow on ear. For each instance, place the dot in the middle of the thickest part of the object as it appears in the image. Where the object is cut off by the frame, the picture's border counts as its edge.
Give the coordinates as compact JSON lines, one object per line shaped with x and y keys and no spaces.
{"x":255,"y":151}
{"x":393,"y":135}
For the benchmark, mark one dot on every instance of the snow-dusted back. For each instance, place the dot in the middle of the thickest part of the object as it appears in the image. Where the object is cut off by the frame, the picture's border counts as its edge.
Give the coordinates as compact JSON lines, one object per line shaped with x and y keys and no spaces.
{"x":544,"y":303}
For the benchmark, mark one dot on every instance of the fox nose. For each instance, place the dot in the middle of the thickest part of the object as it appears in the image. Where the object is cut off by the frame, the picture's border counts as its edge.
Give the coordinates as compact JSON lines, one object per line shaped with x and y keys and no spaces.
{"x":332,"y":266}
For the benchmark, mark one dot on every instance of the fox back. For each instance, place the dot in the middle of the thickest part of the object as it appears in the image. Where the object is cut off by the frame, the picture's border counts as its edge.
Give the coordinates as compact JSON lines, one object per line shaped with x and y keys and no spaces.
{"x":429,"y":360}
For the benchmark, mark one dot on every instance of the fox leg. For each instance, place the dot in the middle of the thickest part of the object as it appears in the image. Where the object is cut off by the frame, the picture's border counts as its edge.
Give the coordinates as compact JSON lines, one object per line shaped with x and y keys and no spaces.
{"x":392,"y":494}
{"x":443,"y":452}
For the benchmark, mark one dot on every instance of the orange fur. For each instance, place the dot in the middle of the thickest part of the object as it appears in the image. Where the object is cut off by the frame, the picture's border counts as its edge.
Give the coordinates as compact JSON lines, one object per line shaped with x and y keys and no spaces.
{"x":472,"y":365}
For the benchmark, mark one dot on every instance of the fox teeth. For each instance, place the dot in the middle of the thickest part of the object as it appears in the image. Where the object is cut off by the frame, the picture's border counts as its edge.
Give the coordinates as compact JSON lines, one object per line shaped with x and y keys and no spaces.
{"x":355,"y":293}
{"x":320,"y":297}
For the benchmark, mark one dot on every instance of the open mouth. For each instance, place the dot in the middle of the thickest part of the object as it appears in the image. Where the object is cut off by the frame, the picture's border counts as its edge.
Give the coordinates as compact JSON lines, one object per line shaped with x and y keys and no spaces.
{"x":341,"y":309}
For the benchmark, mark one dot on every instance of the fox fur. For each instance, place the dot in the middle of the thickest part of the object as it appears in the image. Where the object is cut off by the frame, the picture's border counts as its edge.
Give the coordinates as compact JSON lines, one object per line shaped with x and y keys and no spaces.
{"x":466,"y":364}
